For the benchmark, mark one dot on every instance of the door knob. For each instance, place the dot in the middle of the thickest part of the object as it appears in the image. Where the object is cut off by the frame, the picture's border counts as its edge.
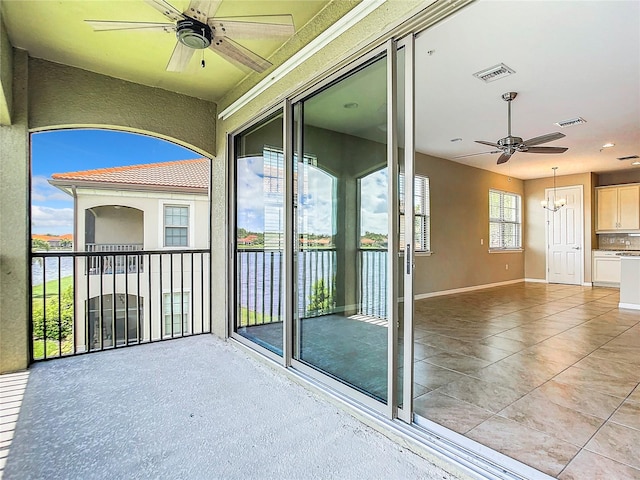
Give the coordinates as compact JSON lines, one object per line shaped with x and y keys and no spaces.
{"x":576,"y":248}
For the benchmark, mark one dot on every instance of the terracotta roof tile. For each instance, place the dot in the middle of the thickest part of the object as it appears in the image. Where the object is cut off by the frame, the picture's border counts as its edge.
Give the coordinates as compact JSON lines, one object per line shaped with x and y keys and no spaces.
{"x":181,"y":173}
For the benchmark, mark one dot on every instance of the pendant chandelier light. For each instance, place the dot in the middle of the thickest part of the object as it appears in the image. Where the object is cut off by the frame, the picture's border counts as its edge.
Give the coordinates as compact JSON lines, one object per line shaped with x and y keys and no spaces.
{"x":556,"y":203}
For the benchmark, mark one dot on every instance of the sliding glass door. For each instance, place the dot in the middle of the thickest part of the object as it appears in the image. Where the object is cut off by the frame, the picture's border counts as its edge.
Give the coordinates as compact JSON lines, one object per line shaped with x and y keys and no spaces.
{"x":321,"y":259}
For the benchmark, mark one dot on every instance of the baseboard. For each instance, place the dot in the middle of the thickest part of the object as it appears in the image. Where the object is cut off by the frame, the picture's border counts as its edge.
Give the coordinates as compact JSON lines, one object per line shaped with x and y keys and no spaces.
{"x":587,"y":284}
{"x":535,"y":280}
{"x":467,"y":289}
{"x":630,"y":306}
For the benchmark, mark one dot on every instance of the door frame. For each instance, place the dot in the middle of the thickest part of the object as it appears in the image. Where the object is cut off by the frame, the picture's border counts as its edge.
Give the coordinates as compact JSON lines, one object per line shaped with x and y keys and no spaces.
{"x":547,"y":192}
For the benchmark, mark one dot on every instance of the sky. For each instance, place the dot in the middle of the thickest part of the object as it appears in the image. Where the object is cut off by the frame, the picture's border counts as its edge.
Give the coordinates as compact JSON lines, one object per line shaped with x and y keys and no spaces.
{"x":73,"y":150}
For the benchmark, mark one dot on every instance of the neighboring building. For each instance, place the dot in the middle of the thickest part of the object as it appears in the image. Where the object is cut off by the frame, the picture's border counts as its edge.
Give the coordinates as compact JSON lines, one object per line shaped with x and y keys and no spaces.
{"x":55,"y":241}
{"x":139,"y":208}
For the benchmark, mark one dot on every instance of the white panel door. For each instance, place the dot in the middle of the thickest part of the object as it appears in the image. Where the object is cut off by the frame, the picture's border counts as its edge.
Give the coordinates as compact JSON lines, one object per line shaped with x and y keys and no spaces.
{"x":565,"y":255}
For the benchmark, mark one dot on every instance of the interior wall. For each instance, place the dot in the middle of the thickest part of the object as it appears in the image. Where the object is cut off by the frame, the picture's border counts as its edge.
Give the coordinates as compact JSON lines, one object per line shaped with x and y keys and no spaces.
{"x":535,"y":237}
{"x":618,"y":178}
{"x":459,"y":201}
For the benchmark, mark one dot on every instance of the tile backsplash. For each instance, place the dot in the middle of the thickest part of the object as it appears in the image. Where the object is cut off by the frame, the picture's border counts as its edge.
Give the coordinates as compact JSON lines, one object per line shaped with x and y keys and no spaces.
{"x":619,"y":241}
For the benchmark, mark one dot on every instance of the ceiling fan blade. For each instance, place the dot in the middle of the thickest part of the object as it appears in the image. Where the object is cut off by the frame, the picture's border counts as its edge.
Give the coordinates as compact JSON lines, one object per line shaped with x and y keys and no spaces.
{"x":180,"y":58}
{"x":488,"y":143}
{"x":266,"y":26}
{"x":504,"y":158}
{"x":546,"y":150}
{"x":104,"y":26}
{"x":237,"y":54}
{"x":202,"y":10}
{"x":479,"y":153}
{"x":165,"y":8}
{"x":549,"y":137}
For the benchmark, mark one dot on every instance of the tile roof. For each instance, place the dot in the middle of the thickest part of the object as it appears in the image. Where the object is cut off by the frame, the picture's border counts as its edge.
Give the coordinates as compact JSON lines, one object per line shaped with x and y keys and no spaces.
{"x":181,"y":173}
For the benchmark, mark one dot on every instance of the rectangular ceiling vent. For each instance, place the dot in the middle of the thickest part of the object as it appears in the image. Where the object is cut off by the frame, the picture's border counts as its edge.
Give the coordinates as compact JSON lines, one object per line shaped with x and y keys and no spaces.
{"x":630,"y":157}
{"x":571,"y":122}
{"x":494,"y":73}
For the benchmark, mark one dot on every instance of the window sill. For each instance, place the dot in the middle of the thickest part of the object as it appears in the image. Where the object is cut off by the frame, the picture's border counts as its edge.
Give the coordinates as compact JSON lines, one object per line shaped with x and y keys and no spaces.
{"x":506,"y":250}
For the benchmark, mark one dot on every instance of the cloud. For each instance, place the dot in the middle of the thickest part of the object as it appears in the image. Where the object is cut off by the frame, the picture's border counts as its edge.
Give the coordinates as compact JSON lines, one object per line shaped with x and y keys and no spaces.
{"x":51,"y":220}
{"x":374,"y":203}
{"x":43,"y":191}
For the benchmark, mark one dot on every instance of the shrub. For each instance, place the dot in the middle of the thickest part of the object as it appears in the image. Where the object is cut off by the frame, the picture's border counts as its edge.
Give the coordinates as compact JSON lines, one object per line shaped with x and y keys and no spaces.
{"x":54,"y":305}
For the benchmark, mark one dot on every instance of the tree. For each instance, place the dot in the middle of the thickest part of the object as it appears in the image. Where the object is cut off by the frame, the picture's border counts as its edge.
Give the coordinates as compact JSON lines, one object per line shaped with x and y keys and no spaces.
{"x":321,"y":300}
{"x":38,"y":245}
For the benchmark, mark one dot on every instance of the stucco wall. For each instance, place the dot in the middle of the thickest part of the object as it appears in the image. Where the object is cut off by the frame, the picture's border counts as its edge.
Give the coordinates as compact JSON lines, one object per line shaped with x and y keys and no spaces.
{"x":62,"y":96}
{"x":14,"y":228}
{"x":6,"y":75}
{"x":48,"y":95}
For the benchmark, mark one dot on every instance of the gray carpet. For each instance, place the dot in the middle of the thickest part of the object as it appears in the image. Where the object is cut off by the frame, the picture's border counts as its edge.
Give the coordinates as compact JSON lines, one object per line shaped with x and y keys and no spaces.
{"x":191,"y":408}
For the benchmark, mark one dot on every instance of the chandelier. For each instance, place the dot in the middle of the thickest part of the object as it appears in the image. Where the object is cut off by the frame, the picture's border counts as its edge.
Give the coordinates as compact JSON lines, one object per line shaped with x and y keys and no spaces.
{"x":557,"y":203}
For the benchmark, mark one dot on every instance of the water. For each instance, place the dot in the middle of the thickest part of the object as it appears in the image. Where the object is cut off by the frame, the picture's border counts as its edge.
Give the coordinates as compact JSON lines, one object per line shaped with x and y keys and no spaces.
{"x":259,"y":280}
{"x":52,"y":269}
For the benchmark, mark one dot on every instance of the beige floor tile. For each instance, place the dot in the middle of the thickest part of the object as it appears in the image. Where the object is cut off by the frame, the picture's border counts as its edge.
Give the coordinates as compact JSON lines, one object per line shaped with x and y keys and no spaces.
{"x":561,"y":422}
{"x":582,"y":399}
{"x":634,"y":397}
{"x":422,"y":351}
{"x":628,"y":415}
{"x":618,"y":353}
{"x":526,"y":336}
{"x":596,"y":381}
{"x":544,"y":353}
{"x":489,"y":396}
{"x":590,"y":466}
{"x":432,"y":376}
{"x":532,"y":447}
{"x":618,"y":443}
{"x":457,"y":362}
{"x":505,"y":344}
{"x":450,"y":412}
{"x":621,"y":370}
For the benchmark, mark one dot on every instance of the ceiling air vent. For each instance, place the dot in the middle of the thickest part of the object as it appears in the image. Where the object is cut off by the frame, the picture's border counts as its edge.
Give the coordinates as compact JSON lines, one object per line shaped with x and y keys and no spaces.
{"x":494,"y":73}
{"x":571,"y":122}
{"x":630,"y":157}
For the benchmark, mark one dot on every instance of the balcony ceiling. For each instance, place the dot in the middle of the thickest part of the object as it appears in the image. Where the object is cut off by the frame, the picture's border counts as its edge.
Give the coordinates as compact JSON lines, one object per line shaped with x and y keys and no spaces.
{"x":571,"y":59}
{"x":56,"y":31}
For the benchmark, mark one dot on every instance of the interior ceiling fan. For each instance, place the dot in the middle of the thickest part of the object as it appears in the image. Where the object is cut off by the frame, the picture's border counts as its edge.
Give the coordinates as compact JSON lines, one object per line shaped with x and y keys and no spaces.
{"x":510,"y":144}
{"x":197,"y":28}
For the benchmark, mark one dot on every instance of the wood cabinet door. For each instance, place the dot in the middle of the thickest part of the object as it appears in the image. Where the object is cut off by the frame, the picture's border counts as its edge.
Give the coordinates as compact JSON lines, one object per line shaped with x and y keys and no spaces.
{"x":629,"y":207}
{"x":607,"y":218}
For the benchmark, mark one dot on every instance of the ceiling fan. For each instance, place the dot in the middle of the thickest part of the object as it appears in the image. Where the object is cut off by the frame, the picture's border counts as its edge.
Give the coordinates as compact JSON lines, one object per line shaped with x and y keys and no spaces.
{"x":197,"y":29}
{"x":510,"y":144}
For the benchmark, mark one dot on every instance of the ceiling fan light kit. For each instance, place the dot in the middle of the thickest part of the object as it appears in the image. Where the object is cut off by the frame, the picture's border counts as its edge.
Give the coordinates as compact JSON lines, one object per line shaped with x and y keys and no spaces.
{"x":510,"y":144}
{"x":193,"y":34}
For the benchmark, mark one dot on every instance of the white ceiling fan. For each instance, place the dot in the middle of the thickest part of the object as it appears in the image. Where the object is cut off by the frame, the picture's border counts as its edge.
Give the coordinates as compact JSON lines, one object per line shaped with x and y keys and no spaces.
{"x":510,"y":144}
{"x":197,"y":28}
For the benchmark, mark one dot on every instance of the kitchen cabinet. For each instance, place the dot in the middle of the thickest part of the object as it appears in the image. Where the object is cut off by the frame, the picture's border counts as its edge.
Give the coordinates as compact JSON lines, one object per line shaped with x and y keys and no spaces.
{"x":618,"y":208}
{"x":606,"y":268}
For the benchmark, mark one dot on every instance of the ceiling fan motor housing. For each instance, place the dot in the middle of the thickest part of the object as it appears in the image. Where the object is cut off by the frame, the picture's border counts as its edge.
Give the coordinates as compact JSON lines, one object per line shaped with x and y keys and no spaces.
{"x":194,"y":34}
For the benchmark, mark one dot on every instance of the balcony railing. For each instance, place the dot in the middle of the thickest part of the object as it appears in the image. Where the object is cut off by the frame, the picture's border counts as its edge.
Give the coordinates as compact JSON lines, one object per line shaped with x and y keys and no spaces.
{"x":117,"y":263}
{"x":259,"y":282}
{"x":73,"y":312}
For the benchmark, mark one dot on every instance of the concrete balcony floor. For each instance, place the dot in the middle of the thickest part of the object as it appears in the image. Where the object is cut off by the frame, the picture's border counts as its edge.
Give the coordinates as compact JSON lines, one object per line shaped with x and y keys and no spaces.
{"x":197,"y":407}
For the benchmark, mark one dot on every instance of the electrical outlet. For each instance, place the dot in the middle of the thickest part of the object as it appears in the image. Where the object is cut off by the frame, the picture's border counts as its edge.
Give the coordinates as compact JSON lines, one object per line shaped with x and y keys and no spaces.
{"x":506,"y":267}
{"x":482,"y":241}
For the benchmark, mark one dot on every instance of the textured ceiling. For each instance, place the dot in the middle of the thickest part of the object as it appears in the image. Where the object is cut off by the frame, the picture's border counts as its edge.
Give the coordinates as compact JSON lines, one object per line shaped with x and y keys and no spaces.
{"x":56,"y":31}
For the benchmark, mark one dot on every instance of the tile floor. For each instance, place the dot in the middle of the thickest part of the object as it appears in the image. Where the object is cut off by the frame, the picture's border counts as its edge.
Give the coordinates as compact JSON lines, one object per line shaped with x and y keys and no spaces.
{"x":546,"y":374}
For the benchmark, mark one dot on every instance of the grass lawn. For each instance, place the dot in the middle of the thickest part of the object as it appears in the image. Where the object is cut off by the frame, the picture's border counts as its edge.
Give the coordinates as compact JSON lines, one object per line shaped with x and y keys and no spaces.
{"x":51,"y":288}
{"x":52,"y":348}
{"x":254,"y":318}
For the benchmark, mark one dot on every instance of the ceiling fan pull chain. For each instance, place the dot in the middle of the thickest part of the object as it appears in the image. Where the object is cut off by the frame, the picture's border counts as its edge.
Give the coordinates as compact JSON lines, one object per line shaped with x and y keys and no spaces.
{"x":202,"y":64}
